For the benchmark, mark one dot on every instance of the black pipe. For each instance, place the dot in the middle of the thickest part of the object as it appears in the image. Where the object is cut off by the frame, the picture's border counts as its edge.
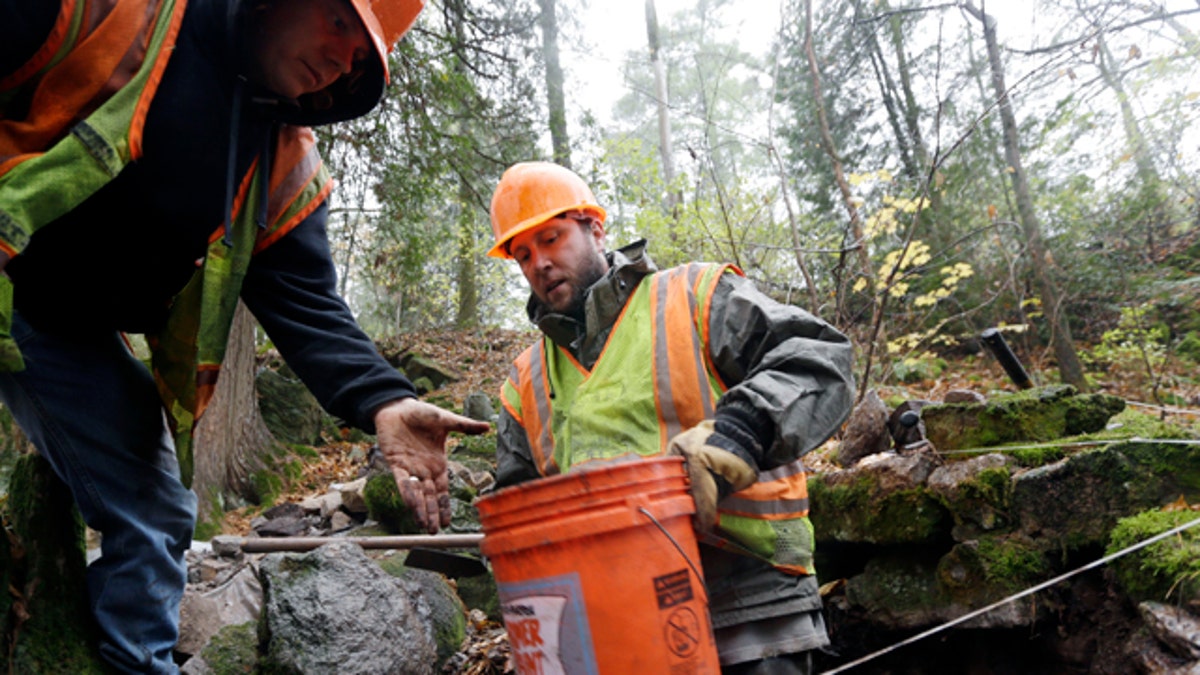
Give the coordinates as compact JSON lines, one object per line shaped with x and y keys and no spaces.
{"x":1008,"y":360}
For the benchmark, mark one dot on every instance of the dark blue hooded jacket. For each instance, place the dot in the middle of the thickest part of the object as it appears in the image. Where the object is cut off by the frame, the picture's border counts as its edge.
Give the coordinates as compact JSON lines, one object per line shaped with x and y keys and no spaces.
{"x":116,"y":261}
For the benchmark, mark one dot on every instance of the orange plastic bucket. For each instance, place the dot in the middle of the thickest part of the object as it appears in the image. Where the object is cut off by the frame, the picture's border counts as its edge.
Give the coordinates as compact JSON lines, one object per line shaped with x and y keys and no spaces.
{"x":598,"y":572}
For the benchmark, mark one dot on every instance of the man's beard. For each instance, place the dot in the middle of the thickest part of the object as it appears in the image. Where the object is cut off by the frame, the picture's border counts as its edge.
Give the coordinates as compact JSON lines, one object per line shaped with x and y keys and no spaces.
{"x":594,"y":271}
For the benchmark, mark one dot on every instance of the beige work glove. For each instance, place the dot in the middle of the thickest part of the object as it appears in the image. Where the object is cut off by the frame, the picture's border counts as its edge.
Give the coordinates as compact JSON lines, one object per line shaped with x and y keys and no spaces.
{"x":713,"y":472}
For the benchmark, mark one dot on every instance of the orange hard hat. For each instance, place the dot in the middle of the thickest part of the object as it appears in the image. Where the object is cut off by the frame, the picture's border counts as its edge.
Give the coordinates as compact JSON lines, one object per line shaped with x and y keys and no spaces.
{"x":530,"y":193}
{"x":386,"y":22}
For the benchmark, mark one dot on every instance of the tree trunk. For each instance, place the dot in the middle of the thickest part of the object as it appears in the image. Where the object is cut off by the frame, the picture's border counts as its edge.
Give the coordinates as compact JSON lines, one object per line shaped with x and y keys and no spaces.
{"x":468,"y":289}
{"x":1069,"y":368}
{"x":1151,"y":199}
{"x":47,"y":623}
{"x":548,"y":20}
{"x":665,"y":149}
{"x":231,"y":436}
{"x":827,"y":143}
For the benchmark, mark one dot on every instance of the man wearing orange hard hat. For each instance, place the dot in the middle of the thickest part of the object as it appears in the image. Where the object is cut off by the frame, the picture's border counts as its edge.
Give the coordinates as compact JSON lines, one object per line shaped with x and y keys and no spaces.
{"x":156,"y":166}
{"x":706,"y":367}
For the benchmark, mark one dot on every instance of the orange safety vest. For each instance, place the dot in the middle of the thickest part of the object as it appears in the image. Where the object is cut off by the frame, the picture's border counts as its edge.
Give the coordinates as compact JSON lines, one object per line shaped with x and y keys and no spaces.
{"x":654,"y":379}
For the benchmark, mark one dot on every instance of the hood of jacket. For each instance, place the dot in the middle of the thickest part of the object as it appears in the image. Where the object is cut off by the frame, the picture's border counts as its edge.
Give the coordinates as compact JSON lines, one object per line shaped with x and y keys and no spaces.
{"x":584,"y":336}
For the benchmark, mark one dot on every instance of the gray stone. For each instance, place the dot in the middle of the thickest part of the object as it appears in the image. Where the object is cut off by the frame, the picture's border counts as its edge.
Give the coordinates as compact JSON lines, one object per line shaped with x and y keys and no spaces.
{"x":866,"y":431}
{"x":203,"y":611}
{"x":352,"y":496}
{"x":334,"y":611}
{"x":1175,"y":627}
{"x":964,"y":396}
{"x":478,"y":406}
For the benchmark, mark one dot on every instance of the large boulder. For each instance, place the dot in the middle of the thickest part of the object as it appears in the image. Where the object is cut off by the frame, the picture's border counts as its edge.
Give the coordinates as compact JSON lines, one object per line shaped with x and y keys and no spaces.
{"x":289,"y":410}
{"x":1035,"y":415}
{"x":333,"y":610}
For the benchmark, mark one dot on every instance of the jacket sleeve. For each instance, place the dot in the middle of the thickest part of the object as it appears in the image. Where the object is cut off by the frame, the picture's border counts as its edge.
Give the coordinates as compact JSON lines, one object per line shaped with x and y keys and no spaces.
{"x":24,"y":26}
{"x":291,"y":289}
{"x":514,"y":459}
{"x":789,"y":373}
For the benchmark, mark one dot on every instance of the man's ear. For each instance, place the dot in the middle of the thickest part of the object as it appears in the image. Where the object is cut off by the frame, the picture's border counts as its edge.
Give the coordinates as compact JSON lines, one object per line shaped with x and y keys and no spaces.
{"x":598,"y":234}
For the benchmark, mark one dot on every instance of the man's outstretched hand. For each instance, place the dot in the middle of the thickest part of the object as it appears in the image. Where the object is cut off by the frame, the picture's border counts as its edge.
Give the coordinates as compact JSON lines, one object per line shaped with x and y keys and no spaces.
{"x":412,"y":436}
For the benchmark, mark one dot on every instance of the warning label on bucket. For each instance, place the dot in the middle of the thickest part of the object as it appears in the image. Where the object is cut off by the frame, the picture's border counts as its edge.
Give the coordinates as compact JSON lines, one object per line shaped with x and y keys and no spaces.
{"x":683,"y":632}
{"x":548,"y":626}
{"x":673,"y":589}
{"x":533,"y":624}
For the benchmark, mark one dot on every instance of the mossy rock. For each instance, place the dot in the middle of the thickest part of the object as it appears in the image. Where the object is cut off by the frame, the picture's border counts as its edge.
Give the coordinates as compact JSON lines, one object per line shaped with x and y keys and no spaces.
{"x":49,"y":579}
{"x":233,"y":650}
{"x":1165,"y":571}
{"x":1035,"y":415}
{"x":984,"y":570}
{"x":385,"y":505}
{"x":1078,"y":501}
{"x":899,"y":590}
{"x":289,"y":410}
{"x":860,"y":513}
{"x":448,"y":614}
{"x":480,"y":593}
{"x":482,"y":446}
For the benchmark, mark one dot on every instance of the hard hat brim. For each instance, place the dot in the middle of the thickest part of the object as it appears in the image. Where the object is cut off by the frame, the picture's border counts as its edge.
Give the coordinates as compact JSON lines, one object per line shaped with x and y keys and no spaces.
{"x":500,"y":250}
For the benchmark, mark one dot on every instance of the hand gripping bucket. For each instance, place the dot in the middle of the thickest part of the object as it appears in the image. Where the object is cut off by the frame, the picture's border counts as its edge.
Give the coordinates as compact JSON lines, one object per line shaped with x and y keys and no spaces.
{"x":598,"y":572}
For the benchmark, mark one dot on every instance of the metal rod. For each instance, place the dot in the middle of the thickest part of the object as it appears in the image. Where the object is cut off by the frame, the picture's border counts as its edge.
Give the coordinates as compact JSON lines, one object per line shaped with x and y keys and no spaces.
{"x":272,"y":544}
{"x":1008,"y":360}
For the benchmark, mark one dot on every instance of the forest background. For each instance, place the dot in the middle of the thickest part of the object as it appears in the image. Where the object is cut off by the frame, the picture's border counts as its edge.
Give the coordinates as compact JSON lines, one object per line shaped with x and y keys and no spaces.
{"x":913,"y":172}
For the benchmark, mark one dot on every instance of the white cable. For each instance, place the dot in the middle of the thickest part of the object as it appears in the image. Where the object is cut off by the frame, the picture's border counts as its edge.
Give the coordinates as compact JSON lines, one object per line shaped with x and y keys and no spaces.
{"x":1029,"y":591}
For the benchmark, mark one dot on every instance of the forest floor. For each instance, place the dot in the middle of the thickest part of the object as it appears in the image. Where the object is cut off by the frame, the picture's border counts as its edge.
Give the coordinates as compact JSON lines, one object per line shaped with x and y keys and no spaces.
{"x":482,"y":359}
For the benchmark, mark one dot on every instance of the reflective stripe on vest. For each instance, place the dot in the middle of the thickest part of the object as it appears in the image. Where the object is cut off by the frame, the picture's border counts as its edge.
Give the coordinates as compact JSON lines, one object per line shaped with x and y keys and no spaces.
{"x":187,"y":354}
{"x":89,"y":88}
{"x":574,"y":417}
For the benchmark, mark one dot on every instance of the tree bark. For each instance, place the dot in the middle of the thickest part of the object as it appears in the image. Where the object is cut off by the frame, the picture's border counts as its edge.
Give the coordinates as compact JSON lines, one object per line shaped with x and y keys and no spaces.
{"x":1069,"y":368}
{"x":548,"y":20}
{"x":231,"y":436}
{"x":468,"y":288}
{"x":665,"y":149}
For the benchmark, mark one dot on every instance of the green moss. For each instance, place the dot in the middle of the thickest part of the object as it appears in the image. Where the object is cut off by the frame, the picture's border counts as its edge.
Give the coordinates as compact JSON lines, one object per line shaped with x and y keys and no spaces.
{"x":980,"y":571}
{"x":268,"y":485}
{"x":480,"y":593}
{"x":441,"y":400}
{"x":208,"y":525}
{"x":1161,"y":471}
{"x":385,"y":505}
{"x":1189,"y":347}
{"x":233,"y":650}
{"x":304,"y":451}
{"x":482,"y":447}
{"x":859,"y":512}
{"x":49,"y":578}
{"x":1010,"y":563}
{"x":1030,"y":457}
{"x":982,"y":500}
{"x":1167,"y":570}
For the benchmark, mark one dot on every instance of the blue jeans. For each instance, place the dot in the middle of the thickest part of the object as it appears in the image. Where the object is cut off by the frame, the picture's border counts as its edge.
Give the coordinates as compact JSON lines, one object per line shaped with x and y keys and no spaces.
{"x":94,"y":413}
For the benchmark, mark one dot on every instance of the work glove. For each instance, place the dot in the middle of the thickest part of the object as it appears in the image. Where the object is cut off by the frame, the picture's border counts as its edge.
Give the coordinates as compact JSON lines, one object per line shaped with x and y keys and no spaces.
{"x":713,"y":471}
{"x":10,"y":356}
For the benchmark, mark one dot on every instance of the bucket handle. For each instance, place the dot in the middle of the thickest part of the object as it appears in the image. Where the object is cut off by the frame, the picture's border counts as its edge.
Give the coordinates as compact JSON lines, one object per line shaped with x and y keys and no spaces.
{"x":690,"y":562}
